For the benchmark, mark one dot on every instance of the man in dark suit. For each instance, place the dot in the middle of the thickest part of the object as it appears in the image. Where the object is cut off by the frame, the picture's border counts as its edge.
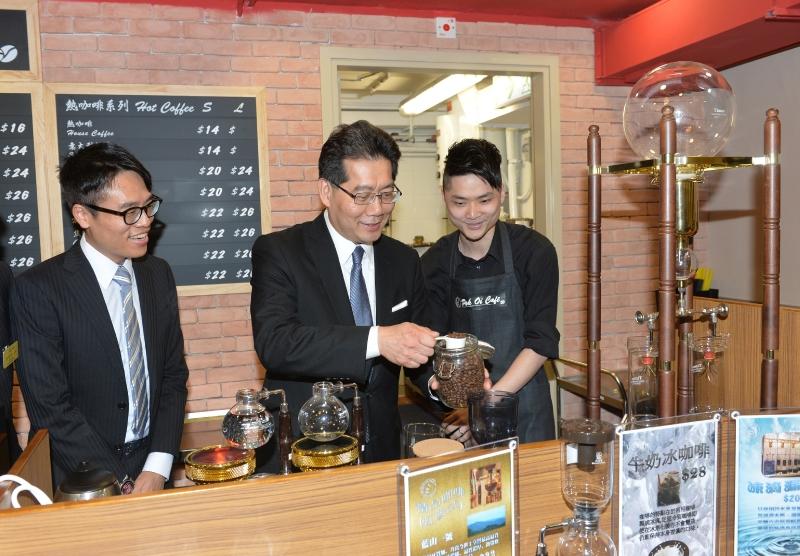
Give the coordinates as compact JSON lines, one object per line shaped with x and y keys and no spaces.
{"x":6,"y":372}
{"x":101,"y":351}
{"x":335,"y":299}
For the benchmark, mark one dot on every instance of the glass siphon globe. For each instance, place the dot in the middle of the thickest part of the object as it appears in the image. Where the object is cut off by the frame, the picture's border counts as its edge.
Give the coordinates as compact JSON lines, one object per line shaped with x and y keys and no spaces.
{"x":704,"y":107}
{"x":323,"y":417}
{"x":248,"y":424}
{"x":580,"y":540}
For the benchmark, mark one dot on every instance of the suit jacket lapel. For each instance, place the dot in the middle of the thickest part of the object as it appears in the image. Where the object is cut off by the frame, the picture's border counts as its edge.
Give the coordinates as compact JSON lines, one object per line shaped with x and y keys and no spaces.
{"x":323,"y":255}
{"x":84,"y":286}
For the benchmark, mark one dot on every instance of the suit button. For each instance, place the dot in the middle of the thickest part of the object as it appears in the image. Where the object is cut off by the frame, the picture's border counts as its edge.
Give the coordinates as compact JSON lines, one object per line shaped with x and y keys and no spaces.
{"x":122,"y":405}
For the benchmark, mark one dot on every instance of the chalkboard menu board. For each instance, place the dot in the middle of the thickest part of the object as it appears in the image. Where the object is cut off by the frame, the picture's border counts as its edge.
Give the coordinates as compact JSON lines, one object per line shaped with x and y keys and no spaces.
{"x":203,"y":153}
{"x":20,"y":241}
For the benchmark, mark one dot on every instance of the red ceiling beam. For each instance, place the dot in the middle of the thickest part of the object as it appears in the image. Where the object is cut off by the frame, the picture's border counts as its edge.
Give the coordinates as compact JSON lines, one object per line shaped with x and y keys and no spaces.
{"x":720,"y":33}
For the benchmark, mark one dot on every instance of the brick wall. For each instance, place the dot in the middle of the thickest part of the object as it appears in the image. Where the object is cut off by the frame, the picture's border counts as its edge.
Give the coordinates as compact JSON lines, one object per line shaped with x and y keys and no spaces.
{"x":90,"y":42}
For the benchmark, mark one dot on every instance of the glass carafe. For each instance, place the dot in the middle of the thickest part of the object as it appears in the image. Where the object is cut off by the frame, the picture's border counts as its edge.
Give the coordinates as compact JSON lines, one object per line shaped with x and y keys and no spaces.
{"x":708,"y":372}
{"x":248,"y":424}
{"x":642,"y":378}
{"x":324,"y":417}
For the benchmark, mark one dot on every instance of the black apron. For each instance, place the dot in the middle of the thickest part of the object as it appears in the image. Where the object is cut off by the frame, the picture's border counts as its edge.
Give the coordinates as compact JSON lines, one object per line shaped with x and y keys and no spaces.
{"x":491,"y":309}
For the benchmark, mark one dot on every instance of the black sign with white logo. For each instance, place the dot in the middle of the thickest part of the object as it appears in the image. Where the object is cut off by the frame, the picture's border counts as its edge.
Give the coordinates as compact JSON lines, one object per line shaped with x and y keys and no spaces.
{"x":14,"y":55}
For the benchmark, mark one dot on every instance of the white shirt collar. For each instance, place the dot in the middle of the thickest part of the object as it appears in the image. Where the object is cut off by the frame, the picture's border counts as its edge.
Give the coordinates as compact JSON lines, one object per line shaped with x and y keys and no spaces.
{"x":344,"y":247}
{"x":103,"y":267}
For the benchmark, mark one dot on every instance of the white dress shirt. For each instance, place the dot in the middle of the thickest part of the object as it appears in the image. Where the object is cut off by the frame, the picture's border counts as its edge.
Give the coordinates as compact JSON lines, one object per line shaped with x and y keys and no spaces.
{"x":104,"y":270}
{"x":344,"y":252}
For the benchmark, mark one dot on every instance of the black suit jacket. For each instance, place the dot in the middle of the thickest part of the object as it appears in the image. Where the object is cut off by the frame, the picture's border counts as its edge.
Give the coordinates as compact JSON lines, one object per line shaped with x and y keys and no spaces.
{"x":70,"y":368}
{"x":304,"y":330}
{"x":6,"y":375}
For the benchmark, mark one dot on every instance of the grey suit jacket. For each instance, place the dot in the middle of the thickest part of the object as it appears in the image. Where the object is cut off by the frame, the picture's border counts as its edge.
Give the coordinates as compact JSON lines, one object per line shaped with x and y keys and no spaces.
{"x":304,"y":329}
{"x":71,"y":372}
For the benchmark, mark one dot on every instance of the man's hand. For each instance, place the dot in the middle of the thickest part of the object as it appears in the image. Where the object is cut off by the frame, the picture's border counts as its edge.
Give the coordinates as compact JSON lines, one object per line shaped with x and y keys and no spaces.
{"x":456,"y":426}
{"x":147,"y":481}
{"x":406,"y":344}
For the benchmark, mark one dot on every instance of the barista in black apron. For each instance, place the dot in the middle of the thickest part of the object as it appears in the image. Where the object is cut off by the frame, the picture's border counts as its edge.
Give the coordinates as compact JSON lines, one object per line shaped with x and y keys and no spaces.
{"x":496,"y":281}
{"x":491,"y":309}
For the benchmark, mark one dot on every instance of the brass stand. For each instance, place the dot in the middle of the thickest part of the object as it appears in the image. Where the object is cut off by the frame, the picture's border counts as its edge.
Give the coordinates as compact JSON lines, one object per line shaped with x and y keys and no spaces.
{"x":678,"y":199}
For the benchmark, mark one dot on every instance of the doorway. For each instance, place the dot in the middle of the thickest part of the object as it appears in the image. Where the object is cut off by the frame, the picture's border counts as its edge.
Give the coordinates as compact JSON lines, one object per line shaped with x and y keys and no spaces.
{"x":344,"y":70}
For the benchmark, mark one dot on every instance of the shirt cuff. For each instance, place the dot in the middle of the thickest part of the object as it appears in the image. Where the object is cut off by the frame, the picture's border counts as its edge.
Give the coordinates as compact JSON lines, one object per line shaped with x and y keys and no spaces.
{"x":159,"y":462}
{"x":372,"y":343}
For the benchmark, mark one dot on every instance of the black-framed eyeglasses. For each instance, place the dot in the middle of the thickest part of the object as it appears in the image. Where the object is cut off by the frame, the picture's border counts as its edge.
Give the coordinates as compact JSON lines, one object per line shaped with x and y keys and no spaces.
{"x":387,"y":197}
{"x":132,"y":215}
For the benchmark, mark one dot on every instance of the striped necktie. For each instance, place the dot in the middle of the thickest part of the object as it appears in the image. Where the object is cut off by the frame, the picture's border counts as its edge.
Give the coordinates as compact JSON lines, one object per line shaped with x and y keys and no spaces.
{"x":359,"y":299}
{"x":133,"y":341}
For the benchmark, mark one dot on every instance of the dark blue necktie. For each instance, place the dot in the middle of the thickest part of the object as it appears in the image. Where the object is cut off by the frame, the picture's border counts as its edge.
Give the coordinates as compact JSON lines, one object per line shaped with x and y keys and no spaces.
{"x":133,"y":339}
{"x":359,"y":299}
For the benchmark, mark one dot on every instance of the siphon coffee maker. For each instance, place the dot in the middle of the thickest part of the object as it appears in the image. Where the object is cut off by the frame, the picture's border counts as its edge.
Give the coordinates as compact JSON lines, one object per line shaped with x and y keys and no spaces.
{"x":587,"y":475}
{"x":324,"y":420}
{"x":249,"y":425}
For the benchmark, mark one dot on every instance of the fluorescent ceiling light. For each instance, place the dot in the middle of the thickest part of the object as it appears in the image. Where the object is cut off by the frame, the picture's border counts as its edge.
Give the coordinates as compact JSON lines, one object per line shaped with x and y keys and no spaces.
{"x":505,"y":95}
{"x":448,"y":87}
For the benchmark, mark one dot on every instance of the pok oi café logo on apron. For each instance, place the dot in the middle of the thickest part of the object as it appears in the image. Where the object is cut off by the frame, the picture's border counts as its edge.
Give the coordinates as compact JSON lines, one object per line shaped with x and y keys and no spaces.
{"x":480,"y":301}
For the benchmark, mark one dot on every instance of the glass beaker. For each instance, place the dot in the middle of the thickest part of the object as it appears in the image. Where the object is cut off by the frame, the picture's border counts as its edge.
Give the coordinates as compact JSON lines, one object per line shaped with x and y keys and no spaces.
{"x":708,"y":372}
{"x":642,"y":378}
{"x":493,"y":415}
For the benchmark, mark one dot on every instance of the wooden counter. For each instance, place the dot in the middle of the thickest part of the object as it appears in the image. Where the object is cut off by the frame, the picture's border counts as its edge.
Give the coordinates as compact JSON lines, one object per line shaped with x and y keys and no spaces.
{"x":346,"y":511}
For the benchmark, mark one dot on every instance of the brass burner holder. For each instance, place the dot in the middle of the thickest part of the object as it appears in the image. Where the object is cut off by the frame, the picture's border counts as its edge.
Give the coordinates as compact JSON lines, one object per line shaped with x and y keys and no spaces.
{"x":238,"y":464}
{"x":310,"y":455}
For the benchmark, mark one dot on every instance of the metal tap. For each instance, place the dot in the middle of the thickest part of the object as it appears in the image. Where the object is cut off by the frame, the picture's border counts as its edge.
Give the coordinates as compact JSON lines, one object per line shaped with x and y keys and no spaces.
{"x":650,"y":319}
{"x":714,"y":314}
{"x":541,"y":548}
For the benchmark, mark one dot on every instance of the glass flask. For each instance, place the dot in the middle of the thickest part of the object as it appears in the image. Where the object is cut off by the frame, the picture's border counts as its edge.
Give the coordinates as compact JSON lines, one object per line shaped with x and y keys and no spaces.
{"x":708,"y":367}
{"x":582,"y":540}
{"x":587,"y":475}
{"x":458,"y":365}
{"x":324,"y":417}
{"x":704,"y":107}
{"x":642,"y":378}
{"x":248,"y":424}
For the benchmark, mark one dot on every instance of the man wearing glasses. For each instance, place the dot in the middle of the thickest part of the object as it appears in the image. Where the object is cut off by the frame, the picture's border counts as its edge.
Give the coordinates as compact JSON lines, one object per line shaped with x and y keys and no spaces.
{"x":335,"y":299}
{"x":101,"y":351}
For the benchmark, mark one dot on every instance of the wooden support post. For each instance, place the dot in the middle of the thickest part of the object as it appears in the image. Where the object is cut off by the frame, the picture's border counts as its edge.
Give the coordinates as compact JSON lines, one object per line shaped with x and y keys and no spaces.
{"x":685,"y":385}
{"x":667,"y":244}
{"x":771,"y":221}
{"x":593,"y":294}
